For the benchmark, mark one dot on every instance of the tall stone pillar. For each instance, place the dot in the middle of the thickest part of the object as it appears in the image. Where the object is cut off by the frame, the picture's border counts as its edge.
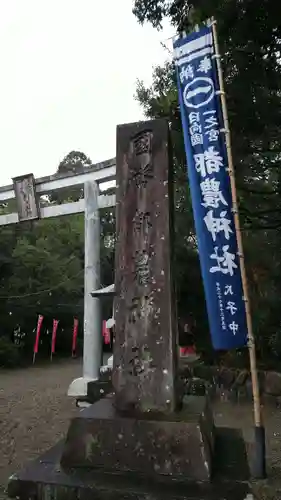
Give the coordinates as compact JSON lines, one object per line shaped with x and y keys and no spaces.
{"x":145,"y":344}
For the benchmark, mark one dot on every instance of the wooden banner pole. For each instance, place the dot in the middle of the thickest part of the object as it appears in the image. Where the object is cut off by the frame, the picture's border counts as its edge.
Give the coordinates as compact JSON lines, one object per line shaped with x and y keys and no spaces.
{"x":259,"y":465}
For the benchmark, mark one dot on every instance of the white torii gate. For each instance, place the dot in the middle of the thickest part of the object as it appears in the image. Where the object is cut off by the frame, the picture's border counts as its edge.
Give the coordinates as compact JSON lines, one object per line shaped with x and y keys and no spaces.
{"x":27,"y":190}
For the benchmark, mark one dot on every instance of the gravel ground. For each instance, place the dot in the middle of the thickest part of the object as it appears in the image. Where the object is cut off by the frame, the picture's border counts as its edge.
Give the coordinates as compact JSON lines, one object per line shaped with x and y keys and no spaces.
{"x":241,"y":417}
{"x":35,"y":412}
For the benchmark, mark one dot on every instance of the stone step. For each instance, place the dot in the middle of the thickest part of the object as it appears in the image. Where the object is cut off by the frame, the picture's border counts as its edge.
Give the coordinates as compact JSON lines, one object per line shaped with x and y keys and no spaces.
{"x":45,"y":479}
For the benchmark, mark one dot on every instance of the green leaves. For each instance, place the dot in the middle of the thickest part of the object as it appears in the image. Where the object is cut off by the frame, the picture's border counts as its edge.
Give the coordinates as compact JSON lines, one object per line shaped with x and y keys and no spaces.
{"x":42,"y":263}
{"x":73,"y":162}
{"x":249,"y":38}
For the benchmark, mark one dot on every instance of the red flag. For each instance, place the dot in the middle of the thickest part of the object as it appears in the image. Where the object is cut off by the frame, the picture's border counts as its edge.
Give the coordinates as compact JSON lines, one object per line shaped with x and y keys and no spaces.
{"x":185,"y":351}
{"x":54,"y":336}
{"x":36,"y":343}
{"x":74,"y":338}
{"x":105,"y":333}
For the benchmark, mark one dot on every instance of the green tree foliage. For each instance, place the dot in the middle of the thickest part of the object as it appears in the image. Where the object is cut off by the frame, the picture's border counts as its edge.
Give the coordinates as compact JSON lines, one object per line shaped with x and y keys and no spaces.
{"x":249,"y":37}
{"x":73,"y":163}
{"x":42,"y":271}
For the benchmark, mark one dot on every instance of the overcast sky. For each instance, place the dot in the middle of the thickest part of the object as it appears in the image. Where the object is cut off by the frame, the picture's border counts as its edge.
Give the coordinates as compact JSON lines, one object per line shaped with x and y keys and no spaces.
{"x":68,"y":77}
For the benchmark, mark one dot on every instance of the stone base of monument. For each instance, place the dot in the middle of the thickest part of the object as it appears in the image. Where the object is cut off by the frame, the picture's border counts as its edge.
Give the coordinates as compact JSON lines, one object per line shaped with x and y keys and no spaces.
{"x":111,"y":457}
{"x":178,"y":444}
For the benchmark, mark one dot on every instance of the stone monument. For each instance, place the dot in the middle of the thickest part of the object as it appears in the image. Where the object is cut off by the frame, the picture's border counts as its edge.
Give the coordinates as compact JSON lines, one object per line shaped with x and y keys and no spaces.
{"x":144,"y":441}
{"x":144,"y":428}
{"x":145,"y":352}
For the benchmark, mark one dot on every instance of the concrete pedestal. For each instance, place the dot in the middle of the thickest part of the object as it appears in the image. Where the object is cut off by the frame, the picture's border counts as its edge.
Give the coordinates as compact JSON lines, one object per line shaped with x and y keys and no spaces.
{"x":46,"y":479}
{"x":176,"y":444}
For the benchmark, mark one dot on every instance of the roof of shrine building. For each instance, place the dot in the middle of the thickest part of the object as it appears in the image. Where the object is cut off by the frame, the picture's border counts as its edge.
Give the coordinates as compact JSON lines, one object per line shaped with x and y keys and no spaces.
{"x":104,"y":292}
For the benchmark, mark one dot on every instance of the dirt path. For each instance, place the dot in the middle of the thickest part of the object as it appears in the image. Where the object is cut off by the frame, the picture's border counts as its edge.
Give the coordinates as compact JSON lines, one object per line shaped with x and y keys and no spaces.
{"x":34,"y":412}
{"x":236,"y":416}
{"x":241,"y":417}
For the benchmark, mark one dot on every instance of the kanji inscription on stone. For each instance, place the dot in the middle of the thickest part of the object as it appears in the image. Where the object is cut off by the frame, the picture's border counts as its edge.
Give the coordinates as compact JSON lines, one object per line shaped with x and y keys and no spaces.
{"x":142,"y":222}
{"x":142,"y":267}
{"x":141,"y":168}
{"x":144,"y":350}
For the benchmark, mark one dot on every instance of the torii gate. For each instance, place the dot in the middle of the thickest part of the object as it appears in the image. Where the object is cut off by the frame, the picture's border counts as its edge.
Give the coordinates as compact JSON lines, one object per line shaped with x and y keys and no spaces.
{"x":27,"y":190}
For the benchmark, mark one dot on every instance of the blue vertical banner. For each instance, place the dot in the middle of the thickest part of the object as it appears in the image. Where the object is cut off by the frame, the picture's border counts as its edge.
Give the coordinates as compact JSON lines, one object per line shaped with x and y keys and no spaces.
{"x":204,"y":138}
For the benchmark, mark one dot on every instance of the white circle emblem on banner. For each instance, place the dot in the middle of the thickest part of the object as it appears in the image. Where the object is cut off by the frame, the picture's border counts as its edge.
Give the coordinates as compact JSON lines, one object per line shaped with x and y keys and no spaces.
{"x":198,"y":93}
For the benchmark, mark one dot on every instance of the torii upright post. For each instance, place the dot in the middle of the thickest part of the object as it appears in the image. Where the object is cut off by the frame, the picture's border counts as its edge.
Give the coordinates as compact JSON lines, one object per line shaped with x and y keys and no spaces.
{"x":92,"y":314}
{"x":92,"y":353}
